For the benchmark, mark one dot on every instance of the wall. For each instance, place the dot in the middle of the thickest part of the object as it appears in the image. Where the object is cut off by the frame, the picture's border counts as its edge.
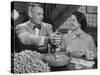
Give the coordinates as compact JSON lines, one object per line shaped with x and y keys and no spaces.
{"x":91,"y":17}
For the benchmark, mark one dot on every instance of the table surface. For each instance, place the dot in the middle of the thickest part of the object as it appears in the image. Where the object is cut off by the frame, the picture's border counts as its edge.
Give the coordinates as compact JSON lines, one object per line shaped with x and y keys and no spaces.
{"x":69,"y":67}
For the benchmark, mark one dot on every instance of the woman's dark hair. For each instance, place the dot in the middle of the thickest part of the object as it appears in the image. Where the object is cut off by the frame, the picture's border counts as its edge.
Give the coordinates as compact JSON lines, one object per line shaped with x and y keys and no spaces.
{"x":81,"y":18}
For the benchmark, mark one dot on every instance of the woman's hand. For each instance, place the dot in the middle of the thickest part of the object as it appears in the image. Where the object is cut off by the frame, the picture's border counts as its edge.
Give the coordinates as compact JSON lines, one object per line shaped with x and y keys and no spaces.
{"x":77,"y":53}
{"x":90,"y":55}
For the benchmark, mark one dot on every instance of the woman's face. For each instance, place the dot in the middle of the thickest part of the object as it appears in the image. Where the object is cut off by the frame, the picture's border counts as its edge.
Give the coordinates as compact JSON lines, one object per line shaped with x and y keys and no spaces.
{"x":72,"y":23}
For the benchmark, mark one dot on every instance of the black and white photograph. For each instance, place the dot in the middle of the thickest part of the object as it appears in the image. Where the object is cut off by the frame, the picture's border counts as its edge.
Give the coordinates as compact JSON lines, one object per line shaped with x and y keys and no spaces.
{"x":52,"y":37}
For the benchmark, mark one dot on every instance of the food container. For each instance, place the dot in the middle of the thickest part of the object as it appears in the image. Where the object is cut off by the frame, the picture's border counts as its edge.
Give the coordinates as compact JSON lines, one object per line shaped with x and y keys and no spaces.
{"x":57,"y":59}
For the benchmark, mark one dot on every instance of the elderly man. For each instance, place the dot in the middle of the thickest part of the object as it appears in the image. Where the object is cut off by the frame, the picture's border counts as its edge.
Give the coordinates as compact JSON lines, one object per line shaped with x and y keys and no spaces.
{"x":34,"y":32}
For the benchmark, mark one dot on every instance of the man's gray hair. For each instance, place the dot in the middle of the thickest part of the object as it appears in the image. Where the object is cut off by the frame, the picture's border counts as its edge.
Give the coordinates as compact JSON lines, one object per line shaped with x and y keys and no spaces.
{"x":33,"y":5}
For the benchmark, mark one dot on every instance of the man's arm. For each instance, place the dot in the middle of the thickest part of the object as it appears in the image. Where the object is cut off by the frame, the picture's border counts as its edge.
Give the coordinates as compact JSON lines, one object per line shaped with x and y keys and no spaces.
{"x":49,"y":29}
{"x":28,"y":38}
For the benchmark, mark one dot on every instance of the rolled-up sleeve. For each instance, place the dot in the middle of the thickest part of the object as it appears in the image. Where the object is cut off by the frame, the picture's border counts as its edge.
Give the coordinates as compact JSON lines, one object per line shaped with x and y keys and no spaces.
{"x":26,"y":37}
{"x":49,"y":29}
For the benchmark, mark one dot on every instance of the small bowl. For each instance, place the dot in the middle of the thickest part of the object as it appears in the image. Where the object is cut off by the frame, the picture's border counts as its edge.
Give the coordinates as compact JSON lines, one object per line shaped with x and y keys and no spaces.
{"x":57,"y":59}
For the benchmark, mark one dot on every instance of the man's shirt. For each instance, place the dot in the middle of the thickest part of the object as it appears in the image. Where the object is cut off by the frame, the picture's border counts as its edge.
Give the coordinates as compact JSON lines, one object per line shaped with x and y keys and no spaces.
{"x":26,"y":33}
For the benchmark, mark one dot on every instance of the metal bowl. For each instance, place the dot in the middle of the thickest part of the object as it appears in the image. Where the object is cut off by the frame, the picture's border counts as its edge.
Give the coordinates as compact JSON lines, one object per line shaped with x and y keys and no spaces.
{"x":57,"y":59}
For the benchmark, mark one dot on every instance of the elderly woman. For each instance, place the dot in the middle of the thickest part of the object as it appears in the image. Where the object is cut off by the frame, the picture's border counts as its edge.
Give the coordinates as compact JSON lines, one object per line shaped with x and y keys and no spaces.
{"x":76,"y":41}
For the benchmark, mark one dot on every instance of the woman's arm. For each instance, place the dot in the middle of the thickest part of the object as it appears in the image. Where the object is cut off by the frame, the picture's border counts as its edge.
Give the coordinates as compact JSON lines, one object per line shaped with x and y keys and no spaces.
{"x":91,"y":53}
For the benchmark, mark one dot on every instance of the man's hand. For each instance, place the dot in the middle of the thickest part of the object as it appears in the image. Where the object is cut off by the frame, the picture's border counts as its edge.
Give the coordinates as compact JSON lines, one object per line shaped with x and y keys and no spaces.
{"x":43,"y":47}
{"x":55,"y":38}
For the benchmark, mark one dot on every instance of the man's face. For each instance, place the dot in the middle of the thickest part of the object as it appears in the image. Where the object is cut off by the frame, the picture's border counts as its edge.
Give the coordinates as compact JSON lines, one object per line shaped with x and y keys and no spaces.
{"x":37,"y":14}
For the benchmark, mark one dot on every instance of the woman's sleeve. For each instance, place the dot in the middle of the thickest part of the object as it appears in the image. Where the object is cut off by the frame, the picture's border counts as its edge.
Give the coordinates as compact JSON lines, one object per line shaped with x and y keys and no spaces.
{"x":91,"y":53}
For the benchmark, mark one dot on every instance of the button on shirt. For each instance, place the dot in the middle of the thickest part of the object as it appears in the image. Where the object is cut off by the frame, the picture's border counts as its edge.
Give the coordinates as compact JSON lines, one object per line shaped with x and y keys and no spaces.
{"x":26,"y":33}
{"x":80,"y":45}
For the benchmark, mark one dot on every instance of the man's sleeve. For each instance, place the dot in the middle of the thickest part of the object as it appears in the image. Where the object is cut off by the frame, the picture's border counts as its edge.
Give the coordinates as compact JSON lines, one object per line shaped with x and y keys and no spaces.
{"x":26,"y":37}
{"x":49,"y":29}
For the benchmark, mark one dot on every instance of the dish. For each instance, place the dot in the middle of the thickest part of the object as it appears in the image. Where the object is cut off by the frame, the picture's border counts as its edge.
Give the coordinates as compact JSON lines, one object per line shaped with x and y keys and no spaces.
{"x":56,"y":59}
